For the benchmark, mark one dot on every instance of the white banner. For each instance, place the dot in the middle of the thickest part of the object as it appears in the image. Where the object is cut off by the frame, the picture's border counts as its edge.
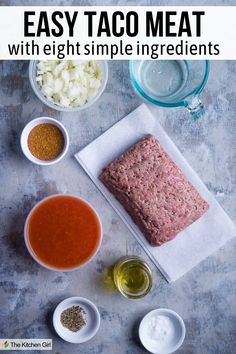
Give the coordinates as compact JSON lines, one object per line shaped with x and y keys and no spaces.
{"x":25,"y":344}
{"x":118,"y":32}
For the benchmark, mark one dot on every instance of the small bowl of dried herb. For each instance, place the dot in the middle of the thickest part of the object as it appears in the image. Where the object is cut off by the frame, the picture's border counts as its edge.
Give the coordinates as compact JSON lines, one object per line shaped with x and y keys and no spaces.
{"x":44,"y":141}
{"x":76,"y":319}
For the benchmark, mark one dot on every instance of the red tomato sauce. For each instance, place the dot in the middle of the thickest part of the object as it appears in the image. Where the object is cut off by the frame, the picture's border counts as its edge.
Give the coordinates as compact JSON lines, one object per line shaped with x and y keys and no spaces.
{"x":64,"y":232}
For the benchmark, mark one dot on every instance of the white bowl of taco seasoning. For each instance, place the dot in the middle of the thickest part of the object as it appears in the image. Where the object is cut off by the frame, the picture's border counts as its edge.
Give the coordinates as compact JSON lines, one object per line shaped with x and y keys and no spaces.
{"x":44,"y":141}
{"x":76,"y":319}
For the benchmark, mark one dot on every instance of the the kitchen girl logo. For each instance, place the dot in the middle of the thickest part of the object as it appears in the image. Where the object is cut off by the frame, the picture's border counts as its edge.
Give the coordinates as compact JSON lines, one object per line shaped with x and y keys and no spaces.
{"x":4,"y":345}
{"x":25,"y":344}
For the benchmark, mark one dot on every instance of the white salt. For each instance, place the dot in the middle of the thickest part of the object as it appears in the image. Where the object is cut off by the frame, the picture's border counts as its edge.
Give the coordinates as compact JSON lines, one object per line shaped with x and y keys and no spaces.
{"x":159,"y":328}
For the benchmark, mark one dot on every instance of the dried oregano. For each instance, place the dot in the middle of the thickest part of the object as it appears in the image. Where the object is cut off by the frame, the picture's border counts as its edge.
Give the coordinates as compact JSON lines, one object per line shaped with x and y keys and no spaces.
{"x":73,"y":318}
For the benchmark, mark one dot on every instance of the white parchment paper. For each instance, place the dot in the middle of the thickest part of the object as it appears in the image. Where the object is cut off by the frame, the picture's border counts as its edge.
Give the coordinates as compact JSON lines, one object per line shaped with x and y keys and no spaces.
{"x":197,"y":241}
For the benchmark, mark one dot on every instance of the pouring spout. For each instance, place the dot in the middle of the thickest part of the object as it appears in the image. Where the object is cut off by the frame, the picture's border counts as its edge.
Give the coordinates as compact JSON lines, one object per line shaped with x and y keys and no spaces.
{"x":196,"y":108}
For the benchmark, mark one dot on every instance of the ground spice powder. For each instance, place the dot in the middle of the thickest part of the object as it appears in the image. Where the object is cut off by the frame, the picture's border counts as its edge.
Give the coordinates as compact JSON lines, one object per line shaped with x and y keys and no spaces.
{"x":46,"y":141}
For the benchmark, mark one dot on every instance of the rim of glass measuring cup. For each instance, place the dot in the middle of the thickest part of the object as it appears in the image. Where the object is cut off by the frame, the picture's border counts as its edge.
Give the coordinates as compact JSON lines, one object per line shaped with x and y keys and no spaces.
{"x":183,"y":103}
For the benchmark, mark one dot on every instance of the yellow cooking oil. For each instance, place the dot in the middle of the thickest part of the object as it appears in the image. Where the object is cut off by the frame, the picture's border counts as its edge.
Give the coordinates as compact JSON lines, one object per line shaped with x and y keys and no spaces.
{"x":132,"y":277}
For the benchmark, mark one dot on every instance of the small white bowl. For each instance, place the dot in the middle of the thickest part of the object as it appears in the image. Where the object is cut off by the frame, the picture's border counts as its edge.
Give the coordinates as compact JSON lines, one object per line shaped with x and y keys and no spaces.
{"x":24,"y":140}
{"x":37,"y":89}
{"x":175,"y":340}
{"x":92,"y":318}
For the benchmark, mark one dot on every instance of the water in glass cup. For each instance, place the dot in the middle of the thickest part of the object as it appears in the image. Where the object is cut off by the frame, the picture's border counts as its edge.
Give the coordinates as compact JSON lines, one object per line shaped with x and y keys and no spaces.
{"x":171,"y":83}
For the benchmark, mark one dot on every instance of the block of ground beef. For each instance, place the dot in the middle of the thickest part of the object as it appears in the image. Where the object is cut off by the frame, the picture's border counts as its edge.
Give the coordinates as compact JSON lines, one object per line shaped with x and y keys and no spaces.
{"x":154,"y":191}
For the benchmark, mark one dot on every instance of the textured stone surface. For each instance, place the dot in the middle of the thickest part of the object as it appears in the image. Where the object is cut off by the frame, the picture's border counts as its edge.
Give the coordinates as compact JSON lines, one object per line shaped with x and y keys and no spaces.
{"x":205,"y":297}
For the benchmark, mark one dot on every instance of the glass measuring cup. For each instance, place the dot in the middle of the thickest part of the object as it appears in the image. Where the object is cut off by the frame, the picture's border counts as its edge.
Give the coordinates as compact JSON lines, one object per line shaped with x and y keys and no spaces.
{"x":171,"y":83}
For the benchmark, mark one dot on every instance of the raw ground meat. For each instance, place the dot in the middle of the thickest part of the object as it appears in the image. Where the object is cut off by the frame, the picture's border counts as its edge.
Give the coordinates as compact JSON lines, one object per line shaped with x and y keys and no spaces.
{"x":154,"y":191}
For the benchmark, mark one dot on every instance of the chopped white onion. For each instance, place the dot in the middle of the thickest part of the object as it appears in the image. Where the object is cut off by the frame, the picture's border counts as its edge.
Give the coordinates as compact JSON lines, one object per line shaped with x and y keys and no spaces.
{"x":69,"y":83}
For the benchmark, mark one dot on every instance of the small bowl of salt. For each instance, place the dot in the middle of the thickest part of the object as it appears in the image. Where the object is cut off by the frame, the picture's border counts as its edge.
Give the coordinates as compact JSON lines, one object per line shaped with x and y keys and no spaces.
{"x":162,"y":331}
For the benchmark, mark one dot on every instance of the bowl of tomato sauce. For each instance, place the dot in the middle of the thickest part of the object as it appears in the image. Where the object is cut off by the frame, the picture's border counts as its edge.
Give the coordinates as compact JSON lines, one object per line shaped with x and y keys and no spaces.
{"x":63,"y":232}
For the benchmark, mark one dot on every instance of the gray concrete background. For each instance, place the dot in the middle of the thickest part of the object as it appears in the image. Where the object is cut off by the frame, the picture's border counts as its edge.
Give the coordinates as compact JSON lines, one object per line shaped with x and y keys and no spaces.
{"x":205,"y":297}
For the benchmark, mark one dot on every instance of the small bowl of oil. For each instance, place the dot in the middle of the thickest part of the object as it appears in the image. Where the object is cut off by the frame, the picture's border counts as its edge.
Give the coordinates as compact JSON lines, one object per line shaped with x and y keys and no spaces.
{"x":132,"y":277}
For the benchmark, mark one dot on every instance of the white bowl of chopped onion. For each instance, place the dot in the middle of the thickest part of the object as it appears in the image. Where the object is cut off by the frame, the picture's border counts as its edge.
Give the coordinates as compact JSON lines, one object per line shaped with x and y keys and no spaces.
{"x":68,"y":85}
